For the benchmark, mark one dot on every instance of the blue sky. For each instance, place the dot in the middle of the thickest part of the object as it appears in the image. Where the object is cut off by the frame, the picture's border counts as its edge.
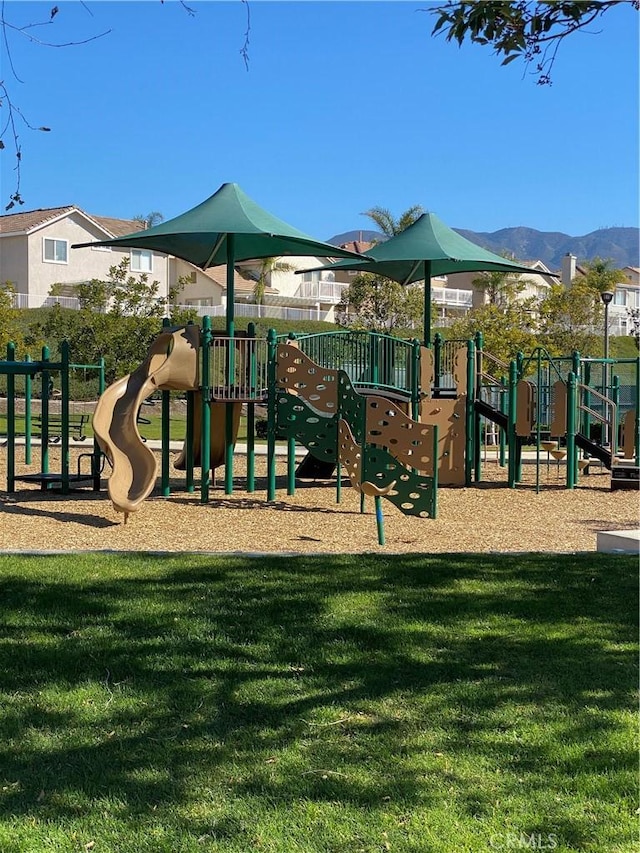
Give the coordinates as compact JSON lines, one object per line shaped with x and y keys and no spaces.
{"x":344,"y":106}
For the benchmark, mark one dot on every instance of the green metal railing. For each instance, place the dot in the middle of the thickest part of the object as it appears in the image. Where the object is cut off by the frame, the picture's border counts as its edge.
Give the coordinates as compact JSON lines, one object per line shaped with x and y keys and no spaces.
{"x":369,"y":359}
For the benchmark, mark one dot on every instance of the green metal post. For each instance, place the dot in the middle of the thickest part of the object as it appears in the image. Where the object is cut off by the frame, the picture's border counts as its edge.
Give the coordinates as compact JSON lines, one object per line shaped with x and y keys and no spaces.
{"x":11,"y":422}
{"x":27,"y":416}
{"x":230,"y":377}
{"x":166,"y":443}
{"x":272,"y":345}
{"x":64,"y":415}
{"x":379,"y":519}
{"x":585,"y":428}
{"x":251,"y":411}
{"x":615,"y":398}
{"x":572,"y":455}
{"x":166,"y":433}
{"x":188,"y":461}
{"x":415,"y":379}
{"x":427,"y":304}
{"x":434,"y":506}
{"x":512,"y":438}
{"x":437,"y":363}
{"x":44,"y":415}
{"x":503,"y":409}
{"x":205,"y":419}
{"x":291,"y":466}
{"x":96,"y":456}
{"x":477,"y":421}
{"x":470,"y":420}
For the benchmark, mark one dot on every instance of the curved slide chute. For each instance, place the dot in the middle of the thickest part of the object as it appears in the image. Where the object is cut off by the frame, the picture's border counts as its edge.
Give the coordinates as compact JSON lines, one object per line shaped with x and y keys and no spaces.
{"x":171,"y":365}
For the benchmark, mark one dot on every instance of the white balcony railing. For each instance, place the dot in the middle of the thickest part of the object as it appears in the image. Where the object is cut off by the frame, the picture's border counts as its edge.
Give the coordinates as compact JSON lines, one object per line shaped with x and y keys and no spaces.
{"x":321,"y":291}
{"x":451,"y":297}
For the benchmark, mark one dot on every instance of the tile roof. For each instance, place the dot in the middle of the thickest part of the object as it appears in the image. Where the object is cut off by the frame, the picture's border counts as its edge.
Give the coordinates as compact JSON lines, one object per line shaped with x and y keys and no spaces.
{"x":23,"y":222}
{"x":12,"y":222}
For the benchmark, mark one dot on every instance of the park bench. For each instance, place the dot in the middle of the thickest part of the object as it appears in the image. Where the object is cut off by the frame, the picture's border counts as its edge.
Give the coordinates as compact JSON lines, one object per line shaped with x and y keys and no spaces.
{"x":77,"y":424}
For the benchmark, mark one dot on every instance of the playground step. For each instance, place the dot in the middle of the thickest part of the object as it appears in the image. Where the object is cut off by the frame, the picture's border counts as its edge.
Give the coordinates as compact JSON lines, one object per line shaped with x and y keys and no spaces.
{"x":625,"y":477}
{"x":619,"y":541}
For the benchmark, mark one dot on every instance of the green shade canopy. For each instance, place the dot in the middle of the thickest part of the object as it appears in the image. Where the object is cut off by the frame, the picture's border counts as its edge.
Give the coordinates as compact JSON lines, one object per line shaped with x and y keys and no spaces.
{"x":200,"y":236}
{"x":425,"y":249}
{"x":226,"y":228}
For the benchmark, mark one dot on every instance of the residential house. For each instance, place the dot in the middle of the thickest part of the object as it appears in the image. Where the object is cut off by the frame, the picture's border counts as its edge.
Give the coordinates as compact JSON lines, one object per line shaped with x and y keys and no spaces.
{"x":35,"y":253}
{"x":625,"y":298}
{"x":450,"y":300}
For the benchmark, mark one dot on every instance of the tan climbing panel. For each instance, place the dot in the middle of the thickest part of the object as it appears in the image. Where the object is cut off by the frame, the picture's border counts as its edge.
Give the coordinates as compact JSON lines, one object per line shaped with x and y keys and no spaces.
{"x":449,"y":416}
{"x":407,"y":440}
{"x":525,"y":408}
{"x":627,"y":444}
{"x":296,"y":373}
{"x":350,"y":457}
{"x":460,"y":370}
{"x":426,"y":372}
{"x":558,"y":424}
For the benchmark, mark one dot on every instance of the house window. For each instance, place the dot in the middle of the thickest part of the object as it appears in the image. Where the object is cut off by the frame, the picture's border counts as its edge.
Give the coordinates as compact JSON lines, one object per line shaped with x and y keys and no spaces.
{"x":101,"y":248}
{"x":141,"y":260}
{"x":620,"y":297}
{"x":55,"y":251}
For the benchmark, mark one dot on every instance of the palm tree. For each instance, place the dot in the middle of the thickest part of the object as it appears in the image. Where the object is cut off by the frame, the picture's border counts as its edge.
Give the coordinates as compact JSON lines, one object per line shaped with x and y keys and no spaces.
{"x":149,"y":220}
{"x":388,"y":225}
{"x":267,"y":267}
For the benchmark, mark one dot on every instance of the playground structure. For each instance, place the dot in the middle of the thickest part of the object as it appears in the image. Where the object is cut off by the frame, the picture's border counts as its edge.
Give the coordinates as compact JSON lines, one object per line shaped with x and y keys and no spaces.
{"x":399,"y":418}
{"x":52,"y":426}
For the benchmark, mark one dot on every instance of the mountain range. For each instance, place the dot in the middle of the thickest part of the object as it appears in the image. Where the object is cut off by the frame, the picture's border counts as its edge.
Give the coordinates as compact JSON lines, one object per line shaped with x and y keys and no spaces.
{"x":621,"y":245}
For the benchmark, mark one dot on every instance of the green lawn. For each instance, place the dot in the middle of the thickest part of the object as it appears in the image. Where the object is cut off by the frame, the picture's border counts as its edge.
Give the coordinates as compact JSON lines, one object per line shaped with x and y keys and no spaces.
{"x":318,"y":704}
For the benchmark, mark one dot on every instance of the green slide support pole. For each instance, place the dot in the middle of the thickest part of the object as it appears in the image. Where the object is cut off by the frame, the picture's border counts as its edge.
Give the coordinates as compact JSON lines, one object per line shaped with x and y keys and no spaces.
{"x":96,"y":455}
{"x":471,"y":391}
{"x":11,"y":422}
{"x":188,"y":461}
{"x":437,"y":363}
{"x":363,"y":500}
{"x":166,"y":442}
{"x":205,"y":419}
{"x":272,"y":345}
{"x":572,"y":458}
{"x":27,"y":416}
{"x":44,"y":415}
{"x":512,"y":438}
{"x":64,"y":407}
{"x":503,"y":409}
{"x":251,"y":411}
{"x":415,"y":379}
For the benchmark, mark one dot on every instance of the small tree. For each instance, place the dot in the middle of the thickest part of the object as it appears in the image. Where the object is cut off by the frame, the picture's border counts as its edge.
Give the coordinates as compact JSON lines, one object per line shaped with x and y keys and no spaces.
{"x":570,"y":318}
{"x":500,"y":288}
{"x":9,"y":326}
{"x":506,"y":329}
{"x":267,"y":267}
{"x":388,"y":224}
{"x":379,"y":304}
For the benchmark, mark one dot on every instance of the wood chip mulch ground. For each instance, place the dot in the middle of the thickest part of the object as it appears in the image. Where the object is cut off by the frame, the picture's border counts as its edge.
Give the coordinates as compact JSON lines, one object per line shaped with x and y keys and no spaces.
{"x":486,"y":517}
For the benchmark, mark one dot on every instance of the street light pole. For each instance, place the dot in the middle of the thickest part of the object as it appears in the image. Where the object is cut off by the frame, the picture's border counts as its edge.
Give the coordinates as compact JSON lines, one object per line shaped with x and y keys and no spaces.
{"x":606,"y":296}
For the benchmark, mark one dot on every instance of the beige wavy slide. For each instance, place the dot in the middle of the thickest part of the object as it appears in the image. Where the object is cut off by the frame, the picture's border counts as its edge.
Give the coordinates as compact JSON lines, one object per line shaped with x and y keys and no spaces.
{"x":171,"y":365}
